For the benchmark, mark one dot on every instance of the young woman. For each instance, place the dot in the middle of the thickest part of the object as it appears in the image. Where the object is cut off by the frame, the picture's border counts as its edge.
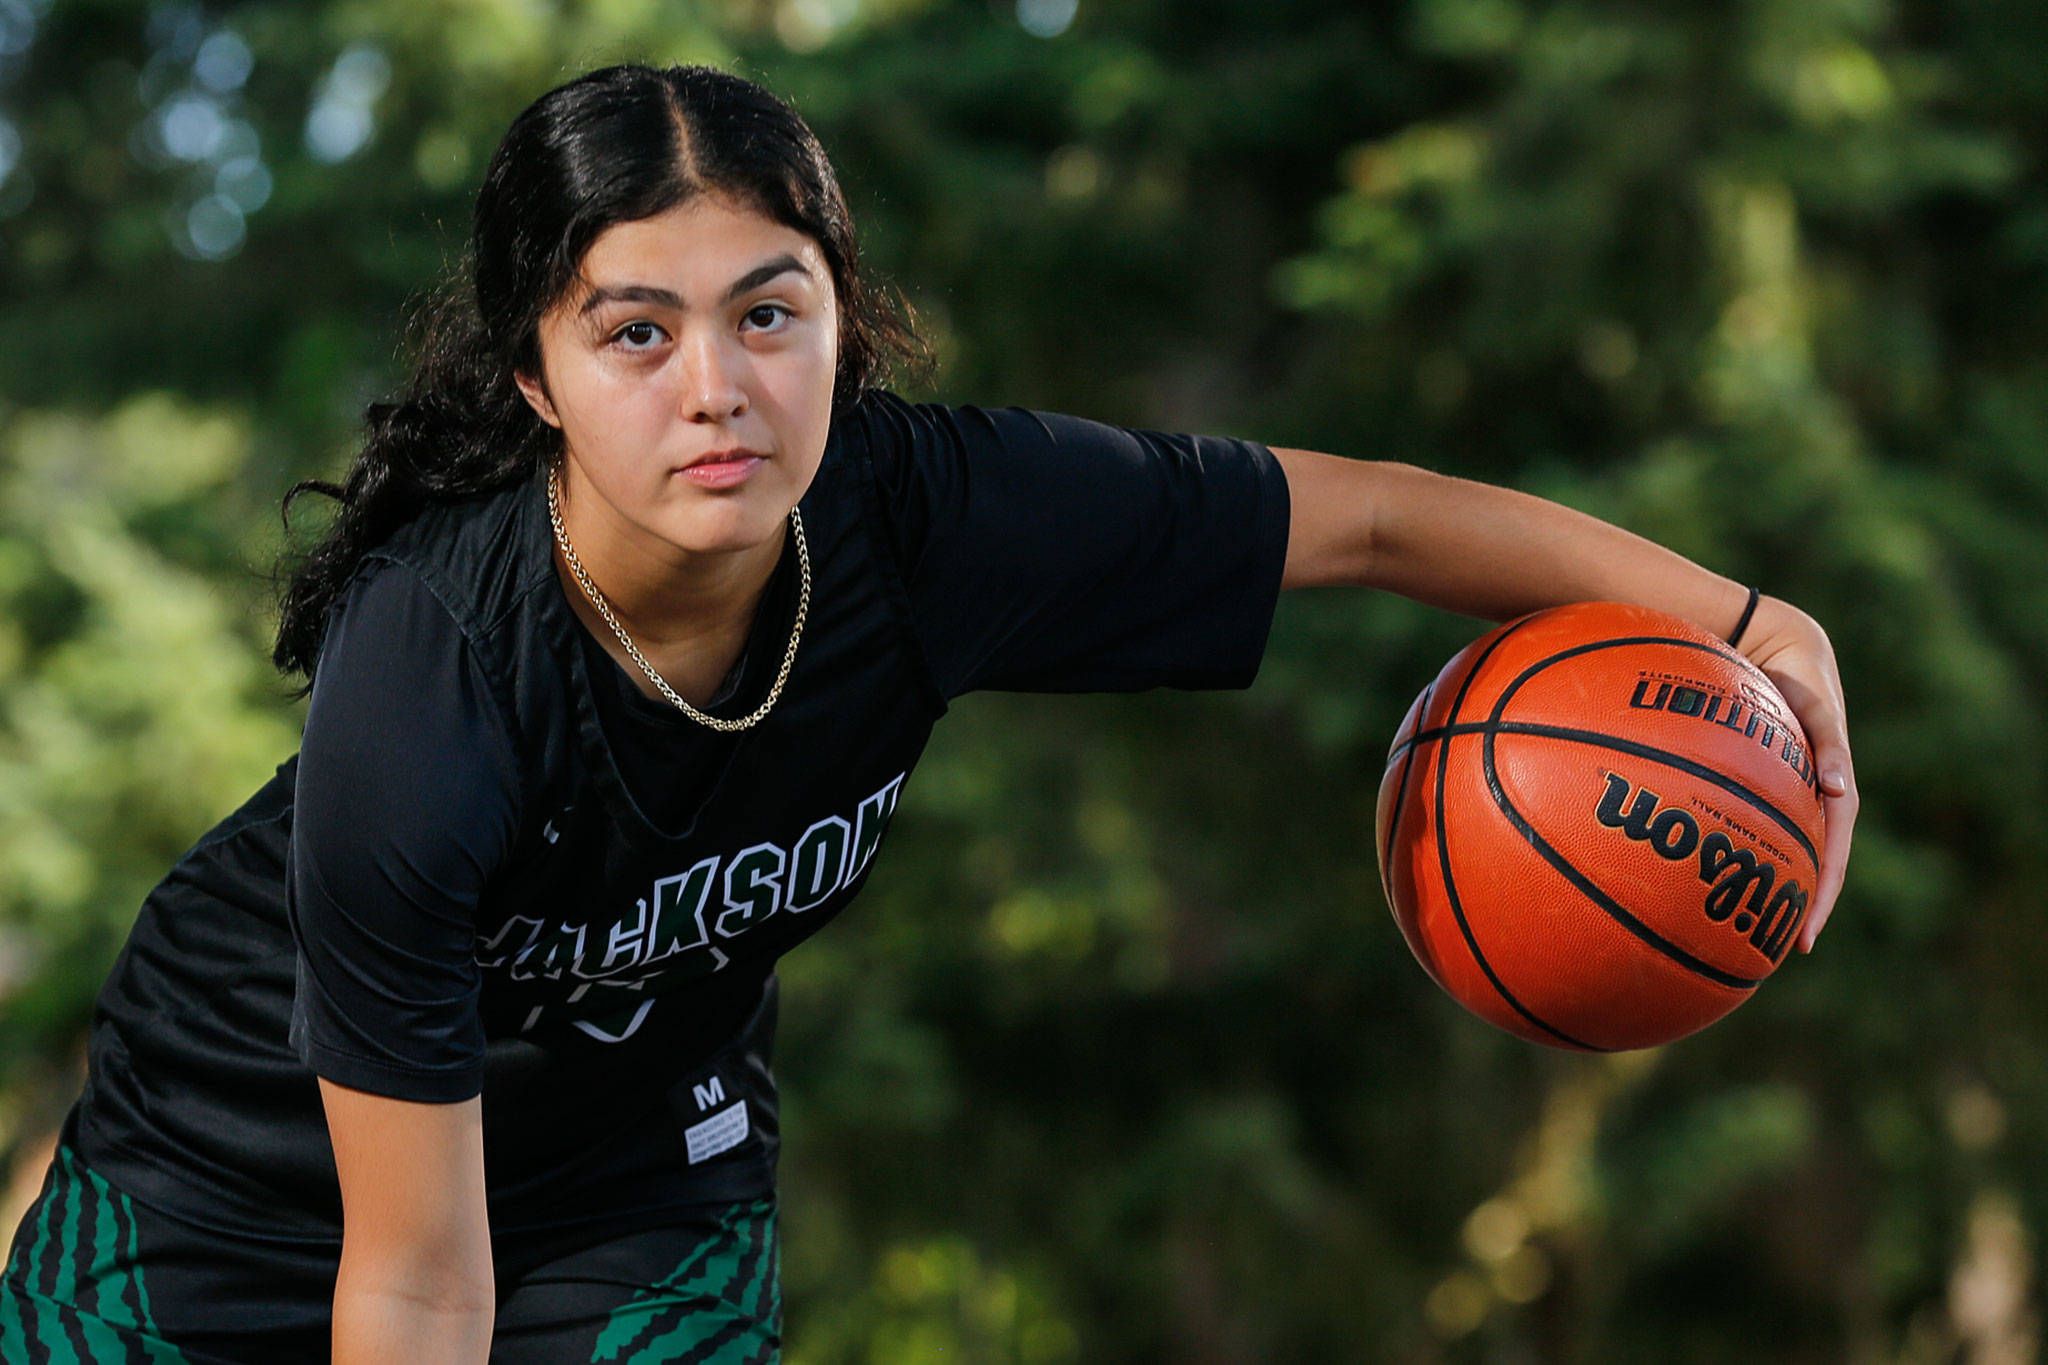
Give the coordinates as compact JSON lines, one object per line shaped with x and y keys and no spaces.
{"x":453,"y":1041}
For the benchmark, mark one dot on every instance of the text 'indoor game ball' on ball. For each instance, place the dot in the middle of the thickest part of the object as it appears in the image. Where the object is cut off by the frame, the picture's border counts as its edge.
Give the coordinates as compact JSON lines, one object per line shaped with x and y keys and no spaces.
{"x":1599,"y":827}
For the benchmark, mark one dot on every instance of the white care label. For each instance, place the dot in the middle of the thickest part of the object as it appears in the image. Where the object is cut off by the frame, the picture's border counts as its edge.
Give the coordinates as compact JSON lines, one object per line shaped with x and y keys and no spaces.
{"x":722,"y":1132}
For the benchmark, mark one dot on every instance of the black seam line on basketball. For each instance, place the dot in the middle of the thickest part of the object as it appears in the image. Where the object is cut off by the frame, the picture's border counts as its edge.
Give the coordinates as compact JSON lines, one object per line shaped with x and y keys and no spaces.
{"x":1533,"y":669}
{"x":1628,"y":746}
{"x":1443,"y":850}
{"x":1577,"y":878}
{"x":1401,"y":801}
{"x":1420,"y":737}
{"x":1646,"y":751}
{"x":1601,"y":739}
{"x":1444,"y":731}
{"x":1600,"y":898}
{"x":1670,"y":760}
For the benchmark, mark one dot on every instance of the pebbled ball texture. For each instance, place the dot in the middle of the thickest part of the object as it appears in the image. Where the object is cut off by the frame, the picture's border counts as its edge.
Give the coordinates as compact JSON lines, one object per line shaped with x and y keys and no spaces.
{"x":1599,"y":827}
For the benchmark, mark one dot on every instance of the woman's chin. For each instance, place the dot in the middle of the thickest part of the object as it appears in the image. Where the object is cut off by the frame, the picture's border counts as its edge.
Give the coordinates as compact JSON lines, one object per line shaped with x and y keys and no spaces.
{"x":727,"y":527}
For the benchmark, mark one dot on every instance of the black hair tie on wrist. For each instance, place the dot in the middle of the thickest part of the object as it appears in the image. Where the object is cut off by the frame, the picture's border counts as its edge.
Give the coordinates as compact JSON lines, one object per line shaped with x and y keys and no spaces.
{"x":1747,"y":612}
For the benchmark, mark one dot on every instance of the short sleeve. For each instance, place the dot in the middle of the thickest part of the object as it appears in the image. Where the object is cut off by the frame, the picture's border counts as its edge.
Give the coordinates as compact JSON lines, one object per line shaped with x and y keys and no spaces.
{"x":1049,"y":553}
{"x":406,"y":803}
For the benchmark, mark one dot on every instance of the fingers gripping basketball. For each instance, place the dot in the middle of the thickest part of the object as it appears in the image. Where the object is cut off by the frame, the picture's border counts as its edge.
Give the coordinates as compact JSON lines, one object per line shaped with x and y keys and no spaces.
{"x":1599,"y":826}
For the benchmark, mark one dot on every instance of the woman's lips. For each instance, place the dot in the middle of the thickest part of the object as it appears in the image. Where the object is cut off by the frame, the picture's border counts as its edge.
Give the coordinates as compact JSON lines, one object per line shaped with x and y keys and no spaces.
{"x":721,"y":473}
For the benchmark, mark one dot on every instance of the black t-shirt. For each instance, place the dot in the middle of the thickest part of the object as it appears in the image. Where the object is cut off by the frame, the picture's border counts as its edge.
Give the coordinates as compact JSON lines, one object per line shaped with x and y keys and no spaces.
{"x":497,"y":866}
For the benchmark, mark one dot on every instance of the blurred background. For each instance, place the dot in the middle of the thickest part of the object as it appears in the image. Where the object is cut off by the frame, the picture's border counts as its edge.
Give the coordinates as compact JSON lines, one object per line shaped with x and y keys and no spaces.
{"x":1121,"y":1058}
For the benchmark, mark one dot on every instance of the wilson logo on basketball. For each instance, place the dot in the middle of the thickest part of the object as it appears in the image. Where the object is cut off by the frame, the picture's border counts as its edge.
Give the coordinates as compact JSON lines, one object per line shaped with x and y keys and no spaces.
{"x":1742,"y":883}
{"x":1706,"y":706}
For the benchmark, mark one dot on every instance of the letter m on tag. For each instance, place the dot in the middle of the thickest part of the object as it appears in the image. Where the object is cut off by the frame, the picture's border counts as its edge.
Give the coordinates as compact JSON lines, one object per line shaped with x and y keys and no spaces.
{"x":708,"y":1095}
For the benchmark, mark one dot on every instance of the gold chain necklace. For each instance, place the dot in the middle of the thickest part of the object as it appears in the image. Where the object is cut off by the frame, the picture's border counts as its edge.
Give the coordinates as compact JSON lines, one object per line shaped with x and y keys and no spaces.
{"x":803,"y":603}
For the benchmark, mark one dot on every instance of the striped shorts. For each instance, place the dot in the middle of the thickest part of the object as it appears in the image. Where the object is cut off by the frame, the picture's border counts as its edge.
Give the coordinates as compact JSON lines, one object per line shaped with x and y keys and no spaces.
{"x":94,"y":1278}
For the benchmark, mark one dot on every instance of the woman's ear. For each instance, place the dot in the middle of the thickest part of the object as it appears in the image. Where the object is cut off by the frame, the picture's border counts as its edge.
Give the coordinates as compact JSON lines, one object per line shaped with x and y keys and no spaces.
{"x":536,"y":393}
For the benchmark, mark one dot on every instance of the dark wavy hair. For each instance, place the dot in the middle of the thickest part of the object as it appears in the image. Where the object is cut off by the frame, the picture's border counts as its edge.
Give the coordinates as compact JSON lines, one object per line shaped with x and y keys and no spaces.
{"x":618,"y":144}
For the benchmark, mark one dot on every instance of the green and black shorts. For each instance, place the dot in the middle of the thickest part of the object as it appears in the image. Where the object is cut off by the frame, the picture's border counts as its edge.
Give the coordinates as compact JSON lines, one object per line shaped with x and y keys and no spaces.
{"x":95,"y":1278}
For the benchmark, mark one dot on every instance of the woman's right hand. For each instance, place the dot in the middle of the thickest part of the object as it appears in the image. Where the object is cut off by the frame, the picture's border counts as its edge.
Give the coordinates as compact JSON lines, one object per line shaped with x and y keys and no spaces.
{"x":1796,"y":655}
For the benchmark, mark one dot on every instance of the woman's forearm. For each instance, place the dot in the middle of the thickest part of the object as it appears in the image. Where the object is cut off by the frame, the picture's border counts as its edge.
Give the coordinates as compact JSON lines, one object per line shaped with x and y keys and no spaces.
{"x":377,"y":1321}
{"x":1496,"y":553}
{"x":1478,"y":549}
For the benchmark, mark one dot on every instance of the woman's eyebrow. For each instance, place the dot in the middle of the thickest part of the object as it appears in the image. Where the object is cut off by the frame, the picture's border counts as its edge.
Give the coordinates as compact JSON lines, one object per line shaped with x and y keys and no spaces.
{"x":668,"y":298}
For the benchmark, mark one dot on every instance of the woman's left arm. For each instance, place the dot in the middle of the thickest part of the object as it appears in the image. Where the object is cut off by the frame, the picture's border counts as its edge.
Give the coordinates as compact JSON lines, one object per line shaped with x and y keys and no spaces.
{"x":1495,"y":553}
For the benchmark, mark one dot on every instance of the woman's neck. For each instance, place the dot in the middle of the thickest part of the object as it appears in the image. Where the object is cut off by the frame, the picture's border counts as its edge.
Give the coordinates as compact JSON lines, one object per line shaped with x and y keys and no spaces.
{"x":688,"y":612}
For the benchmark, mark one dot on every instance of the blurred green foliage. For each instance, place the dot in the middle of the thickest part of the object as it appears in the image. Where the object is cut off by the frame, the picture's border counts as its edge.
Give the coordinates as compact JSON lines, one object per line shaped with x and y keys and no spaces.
{"x":1121,"y":1059}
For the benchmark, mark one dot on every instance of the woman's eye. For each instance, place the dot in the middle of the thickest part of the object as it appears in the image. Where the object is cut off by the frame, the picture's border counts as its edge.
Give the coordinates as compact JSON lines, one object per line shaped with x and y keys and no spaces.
{"x":771,"y":309}
{"x":634,"y":333}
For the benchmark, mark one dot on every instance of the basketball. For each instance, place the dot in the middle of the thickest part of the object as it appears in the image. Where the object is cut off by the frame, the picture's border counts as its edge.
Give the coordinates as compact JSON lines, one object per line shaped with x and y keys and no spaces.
{"x":1599,"y":827}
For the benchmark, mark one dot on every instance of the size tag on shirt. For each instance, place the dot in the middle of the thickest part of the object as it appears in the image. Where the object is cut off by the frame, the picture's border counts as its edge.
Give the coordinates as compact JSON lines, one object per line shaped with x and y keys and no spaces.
{"x":722,"y":1132}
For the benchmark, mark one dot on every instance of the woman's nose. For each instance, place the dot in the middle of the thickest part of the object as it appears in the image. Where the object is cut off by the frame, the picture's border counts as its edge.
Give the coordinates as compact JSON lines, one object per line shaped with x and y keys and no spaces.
{"x":713,"y":368}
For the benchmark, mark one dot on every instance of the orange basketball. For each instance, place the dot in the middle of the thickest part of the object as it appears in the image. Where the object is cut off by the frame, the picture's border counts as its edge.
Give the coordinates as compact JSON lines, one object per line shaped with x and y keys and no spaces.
{"x":1599,"y":827}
